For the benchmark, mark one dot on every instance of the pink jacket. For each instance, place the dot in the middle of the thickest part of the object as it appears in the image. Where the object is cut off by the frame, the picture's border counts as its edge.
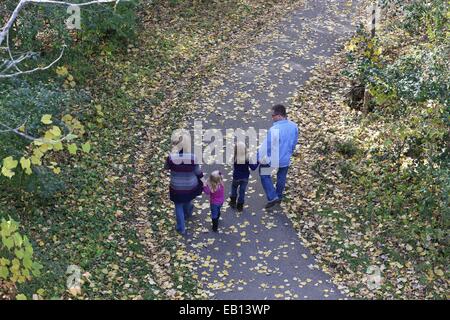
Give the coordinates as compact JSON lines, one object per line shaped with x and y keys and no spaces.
{"x":215,"y":197}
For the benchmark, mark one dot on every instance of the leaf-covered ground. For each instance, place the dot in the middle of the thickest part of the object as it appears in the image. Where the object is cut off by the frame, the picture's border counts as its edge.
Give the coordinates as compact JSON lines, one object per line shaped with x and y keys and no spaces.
{"x":100,"y":221}
{"x":328,"y":206}
{"x":257,"y":254}
{"x":114,"y":219}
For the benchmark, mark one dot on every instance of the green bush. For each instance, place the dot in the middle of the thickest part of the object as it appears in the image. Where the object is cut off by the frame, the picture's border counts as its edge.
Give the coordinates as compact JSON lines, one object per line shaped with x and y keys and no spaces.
{"x":347,"y":148}
{"x":16,"y":254}
{"x":403,"y":168}
{"x":22,"y":102}
{"x":42,"y":30}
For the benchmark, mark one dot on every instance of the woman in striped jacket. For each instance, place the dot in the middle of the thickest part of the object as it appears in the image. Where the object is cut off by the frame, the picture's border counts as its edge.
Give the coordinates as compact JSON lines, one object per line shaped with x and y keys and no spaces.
{"x":185,"y":185}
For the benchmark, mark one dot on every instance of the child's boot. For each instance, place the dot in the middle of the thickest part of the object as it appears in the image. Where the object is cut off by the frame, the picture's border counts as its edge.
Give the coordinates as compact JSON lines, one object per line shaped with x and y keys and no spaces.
{"x":240,"y":207}
{"x":232,"y":202}
{"x":215,"y":224}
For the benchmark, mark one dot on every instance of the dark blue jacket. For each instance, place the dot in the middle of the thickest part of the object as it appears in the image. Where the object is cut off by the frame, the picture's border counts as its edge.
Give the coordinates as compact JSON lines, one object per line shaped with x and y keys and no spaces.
{"x":242,"y":171}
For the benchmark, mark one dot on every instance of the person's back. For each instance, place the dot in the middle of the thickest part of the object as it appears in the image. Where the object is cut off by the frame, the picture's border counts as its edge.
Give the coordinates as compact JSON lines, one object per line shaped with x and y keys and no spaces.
{"x":287,"y":132}
{"x":184,"y":176}
{"x":242,"y":170}
{"x":241,"y":174}
{"x":185,"y":184}
{"x":275,"y":153}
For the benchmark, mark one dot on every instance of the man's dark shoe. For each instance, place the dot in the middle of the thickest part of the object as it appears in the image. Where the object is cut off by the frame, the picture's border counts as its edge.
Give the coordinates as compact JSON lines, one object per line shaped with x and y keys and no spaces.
{"x":272,"y":203}
{"x":240,"y":207}
{"x":232,"y":202}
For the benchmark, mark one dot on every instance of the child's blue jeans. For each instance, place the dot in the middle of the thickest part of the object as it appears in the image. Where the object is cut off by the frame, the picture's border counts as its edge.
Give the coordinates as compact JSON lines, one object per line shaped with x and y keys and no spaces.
{"x":183,"y":211}
{"x":242,"y":185}
{"x":215,"y":211}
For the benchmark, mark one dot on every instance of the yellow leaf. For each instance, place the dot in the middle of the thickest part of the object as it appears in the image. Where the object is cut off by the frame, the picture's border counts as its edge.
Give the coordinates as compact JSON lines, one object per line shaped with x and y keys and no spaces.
{"x":57,"y":170}
{"x":67,"y":118}
{"x":438,"y":272}
{"x":62,"y":71}
{"x":45,"y":147}
{"x":58,"y":146}
{"x":9,"y":163}
{"x":37,"y":153}
{"x":46,"y":119}
{"x":75,"y":290}
{"x":351,"y":47}
{"x":38,"y":142}
{"x":7,"y":173}
{"x":55,"y":131}
{"x":48,"y":135}
{"x":36,"y":160}
{"x":25,"y":163}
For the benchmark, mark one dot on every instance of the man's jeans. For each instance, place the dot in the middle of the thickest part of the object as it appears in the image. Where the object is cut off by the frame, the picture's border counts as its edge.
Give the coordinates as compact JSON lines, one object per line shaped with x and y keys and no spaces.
{"x":215,"y":211}
{"x":183,"y":211}
{"x":267,"y":183}
{"x":242,"y":185}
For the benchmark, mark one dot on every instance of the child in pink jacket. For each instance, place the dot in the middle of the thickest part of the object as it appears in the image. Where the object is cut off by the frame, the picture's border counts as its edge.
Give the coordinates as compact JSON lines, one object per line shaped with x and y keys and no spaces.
{"x":214,"y":187}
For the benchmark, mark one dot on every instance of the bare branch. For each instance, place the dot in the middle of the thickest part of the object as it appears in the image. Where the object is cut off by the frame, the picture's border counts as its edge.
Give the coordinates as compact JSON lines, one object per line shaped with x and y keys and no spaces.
{"x":11,"y":20}
{"x":16,"y":131}
{"x":32,"y":70}
{"x":22,"y":3}
{"x":4,"y":34}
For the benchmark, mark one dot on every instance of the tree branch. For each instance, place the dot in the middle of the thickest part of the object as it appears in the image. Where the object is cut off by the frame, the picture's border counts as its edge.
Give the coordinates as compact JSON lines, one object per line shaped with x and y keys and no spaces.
{"x":4,"y":34}
{"x":14,"y":62}
{"x":16,"y":131}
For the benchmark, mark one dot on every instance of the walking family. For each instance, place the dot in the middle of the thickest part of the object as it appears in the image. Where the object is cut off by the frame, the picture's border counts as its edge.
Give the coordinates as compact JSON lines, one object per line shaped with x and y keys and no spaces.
{"x":187,"y":180}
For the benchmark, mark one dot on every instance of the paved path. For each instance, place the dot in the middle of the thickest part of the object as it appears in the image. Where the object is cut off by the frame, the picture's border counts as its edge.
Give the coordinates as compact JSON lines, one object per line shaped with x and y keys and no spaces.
{"x":257,"y":254}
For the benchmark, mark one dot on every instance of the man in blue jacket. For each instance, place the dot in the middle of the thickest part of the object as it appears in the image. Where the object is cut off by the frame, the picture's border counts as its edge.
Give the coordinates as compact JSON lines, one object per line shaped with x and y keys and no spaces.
{"x":275,"y":154}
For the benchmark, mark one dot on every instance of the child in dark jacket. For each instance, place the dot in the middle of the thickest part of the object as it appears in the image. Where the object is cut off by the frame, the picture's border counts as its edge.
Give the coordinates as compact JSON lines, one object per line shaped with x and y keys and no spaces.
{"x":241,"y":174}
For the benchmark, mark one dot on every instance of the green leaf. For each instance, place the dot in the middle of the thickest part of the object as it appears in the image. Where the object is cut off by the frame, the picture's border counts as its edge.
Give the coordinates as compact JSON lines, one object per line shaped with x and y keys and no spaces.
{"x":19,"y":253}
{"x":36,"y":269}
{"x":18,"y":239}
{"x":4,"y":272}
{"x":8,"y":242}
{"x":72,"y":148}
{"x":21,"y":297}
{"x":86,"y":147}
{"x":58,"y":146}
{"x":27,"y":263}
{"x":4,"y":262}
